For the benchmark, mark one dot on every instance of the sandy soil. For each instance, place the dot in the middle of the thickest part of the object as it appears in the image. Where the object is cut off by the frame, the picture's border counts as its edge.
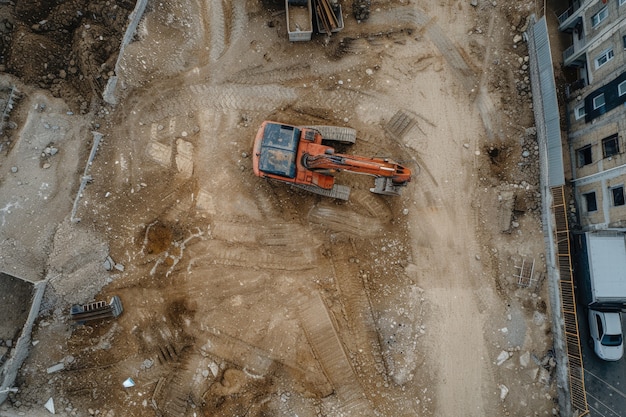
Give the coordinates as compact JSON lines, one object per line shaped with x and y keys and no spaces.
{"x":247,"y":297}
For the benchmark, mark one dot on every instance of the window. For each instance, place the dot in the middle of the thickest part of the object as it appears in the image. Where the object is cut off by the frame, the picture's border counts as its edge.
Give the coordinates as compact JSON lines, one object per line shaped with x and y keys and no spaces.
{"x":610,"y":146}
{"x":590,"y":201}
{"x":604,"y":57}
{"x":579,"y":111}
{"x":584,"y":156}
{"x":618,"y":195}
{"x":600,"y":16}
{"x":598,"y":101}
{"x":621,"y":88}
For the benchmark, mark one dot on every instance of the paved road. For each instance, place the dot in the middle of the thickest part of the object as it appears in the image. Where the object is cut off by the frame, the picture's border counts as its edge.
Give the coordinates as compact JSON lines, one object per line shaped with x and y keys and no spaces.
{"x":605,"y":382}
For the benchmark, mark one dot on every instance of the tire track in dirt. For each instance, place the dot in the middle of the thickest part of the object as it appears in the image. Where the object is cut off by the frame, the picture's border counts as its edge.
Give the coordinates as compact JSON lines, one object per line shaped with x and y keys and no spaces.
{"x":225,"y":254}
{"x":490,"y":118}
{"x":374,"y":205}
{"x":358,"y":314}
{"x":459,"y":63}
{"x":173,"y":103}
{"x":343,"y":99}
{"x":239,"y":20}
{"x":257,"y":98}
{"x":338,"y":220}
{"x":289,"y":235}
{"x":329,"y":351}
{"x":262,"y":75}
{"x":217,"y":29}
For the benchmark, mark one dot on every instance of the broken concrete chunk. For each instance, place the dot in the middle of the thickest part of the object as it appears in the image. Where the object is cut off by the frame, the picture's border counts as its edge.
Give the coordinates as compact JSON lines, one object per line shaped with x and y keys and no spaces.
{"x":524,"y":359}
{"x":504,"y":391}
{"x":502,"y":357}
{"x":49,"y":405}
{"x":147,"y":364}
{"x":544,"y":376}
{"x":108,"y":263}
{"x":56,"y":368}
{"x":119,"y":267}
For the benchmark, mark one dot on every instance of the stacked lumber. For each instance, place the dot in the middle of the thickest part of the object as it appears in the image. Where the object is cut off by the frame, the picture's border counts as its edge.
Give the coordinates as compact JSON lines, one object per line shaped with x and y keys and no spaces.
{"x":327,"y":16}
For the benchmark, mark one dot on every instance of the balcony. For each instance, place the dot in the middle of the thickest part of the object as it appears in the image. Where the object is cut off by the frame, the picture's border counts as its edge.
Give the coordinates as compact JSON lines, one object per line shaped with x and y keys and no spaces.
{"x":569,"y":18}
{"x":568,"y":53}
{"x":575,"y":54}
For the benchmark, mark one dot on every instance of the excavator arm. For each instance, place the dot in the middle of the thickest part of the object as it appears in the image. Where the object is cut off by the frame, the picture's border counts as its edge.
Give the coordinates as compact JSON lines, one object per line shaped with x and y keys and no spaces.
{"x":377,"y":167}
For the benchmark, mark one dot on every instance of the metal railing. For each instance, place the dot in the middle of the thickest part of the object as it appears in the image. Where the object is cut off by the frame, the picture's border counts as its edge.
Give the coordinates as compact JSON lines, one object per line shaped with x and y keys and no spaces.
{"x":569,"y":12}
{"x":568,"y":52}
{"x":568,"y":303}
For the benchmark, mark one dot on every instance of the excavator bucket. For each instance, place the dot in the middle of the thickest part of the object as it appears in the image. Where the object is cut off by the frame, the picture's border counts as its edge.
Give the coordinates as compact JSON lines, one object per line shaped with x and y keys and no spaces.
{"x":385,"y":186}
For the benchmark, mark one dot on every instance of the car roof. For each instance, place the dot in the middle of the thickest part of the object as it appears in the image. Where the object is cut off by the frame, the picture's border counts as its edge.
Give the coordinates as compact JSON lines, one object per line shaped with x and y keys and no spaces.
{"x":613,"y":323}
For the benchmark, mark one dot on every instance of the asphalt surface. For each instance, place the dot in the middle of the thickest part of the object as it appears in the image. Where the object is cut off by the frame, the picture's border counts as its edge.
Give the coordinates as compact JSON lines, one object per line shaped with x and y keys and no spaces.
{"x":605,"y":382}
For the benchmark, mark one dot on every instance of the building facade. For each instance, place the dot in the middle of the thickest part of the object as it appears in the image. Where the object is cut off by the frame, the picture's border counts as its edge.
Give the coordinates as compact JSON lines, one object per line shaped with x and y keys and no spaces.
{"x":596,"y":110}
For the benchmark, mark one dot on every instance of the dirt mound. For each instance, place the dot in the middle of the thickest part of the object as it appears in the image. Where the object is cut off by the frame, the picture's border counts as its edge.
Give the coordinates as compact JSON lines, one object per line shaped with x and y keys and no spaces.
{"x":69,"y":48}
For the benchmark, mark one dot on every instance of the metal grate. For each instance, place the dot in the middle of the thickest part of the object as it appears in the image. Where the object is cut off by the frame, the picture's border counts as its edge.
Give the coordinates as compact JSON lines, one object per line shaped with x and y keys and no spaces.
{"x":526,"y":271}
{"x":568,"y":303}
{"x":400,"y":124}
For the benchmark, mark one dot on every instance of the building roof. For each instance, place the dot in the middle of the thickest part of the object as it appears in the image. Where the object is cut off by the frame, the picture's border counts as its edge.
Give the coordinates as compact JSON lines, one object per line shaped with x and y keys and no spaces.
{"x":607,"y":263}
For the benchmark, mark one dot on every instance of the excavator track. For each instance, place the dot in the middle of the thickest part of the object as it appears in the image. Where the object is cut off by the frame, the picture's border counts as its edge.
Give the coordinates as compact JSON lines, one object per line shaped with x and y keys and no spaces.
{"x":385,"y":186}
{"x":340,"y":192}
{"x":345,"y":135}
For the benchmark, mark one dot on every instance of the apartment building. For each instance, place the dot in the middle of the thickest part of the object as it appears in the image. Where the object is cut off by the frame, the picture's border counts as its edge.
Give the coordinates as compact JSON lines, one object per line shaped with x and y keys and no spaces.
{"x":596,"y":109}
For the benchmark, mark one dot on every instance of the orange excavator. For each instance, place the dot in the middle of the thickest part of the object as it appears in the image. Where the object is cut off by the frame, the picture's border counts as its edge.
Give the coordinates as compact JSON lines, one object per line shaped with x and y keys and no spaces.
{"x":296,"y":155}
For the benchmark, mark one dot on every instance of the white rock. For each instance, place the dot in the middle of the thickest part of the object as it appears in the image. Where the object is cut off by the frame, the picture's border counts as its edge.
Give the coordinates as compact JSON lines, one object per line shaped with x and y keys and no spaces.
{"x":214,"y":368}
{"x":504,"y":391}
{"x":544,"y":376}
{"x":56,"y":368}
{"x":524,"y":359}
{"x":502,"y":357}
{"x":49,"y":405}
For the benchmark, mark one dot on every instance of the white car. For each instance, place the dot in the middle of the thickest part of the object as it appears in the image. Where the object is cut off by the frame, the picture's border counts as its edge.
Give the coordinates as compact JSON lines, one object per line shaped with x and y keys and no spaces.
{"x":606,"y":334}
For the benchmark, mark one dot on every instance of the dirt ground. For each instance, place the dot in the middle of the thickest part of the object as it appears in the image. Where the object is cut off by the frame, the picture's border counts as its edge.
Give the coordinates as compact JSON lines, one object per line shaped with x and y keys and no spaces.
{"x":244,"y":297}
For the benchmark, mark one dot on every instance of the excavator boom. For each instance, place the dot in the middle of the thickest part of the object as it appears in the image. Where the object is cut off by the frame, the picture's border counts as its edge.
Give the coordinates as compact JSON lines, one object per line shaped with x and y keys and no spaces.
{"x":371,"y":166}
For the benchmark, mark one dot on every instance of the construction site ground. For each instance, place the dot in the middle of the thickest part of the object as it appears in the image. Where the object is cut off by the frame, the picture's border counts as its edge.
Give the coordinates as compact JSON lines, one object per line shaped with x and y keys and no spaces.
{"x":244,"y":297}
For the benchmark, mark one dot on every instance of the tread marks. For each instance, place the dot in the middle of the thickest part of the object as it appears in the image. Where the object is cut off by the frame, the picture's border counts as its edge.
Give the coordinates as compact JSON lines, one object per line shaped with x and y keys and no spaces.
{"x":261,"y":75}
{"x":255,"y":98}
{"x":217,"y":29}
{"x":221,"y":253}
{"x":322,"y":336}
